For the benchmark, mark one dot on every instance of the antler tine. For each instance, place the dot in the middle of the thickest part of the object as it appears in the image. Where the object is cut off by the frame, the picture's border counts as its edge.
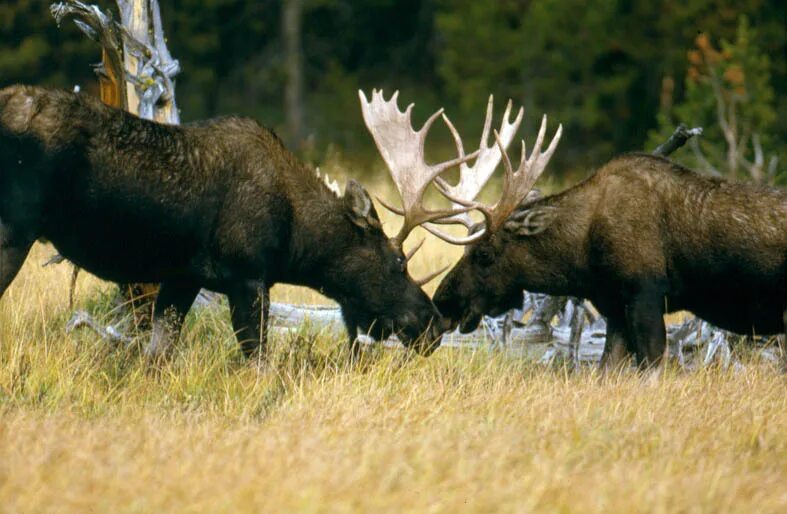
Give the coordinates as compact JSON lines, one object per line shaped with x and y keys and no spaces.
{"x":542,"y":130}
{"x":431,"y":276}
{"x":390,"y":207}
{"x":409,"y":255}
{"x":428,"y":125}
{"x":460,"y":149}
{"x":454,"y":220}
{"x":490,"y":104}
{"x":473,"y":178}
{"x":553,"y":145}
{"x":509,"y":171}
{"x":517,"y":184}
{"x":444,"y":187}
{"x":507,"y":128}
{"x":448,"y":238}
{"x":446,"y":191}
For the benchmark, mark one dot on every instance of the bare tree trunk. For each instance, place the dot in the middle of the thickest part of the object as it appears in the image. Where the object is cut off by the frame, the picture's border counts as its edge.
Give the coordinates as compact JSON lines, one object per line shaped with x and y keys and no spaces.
{"x":134,"y":17}
{"x":667,"y":93}
{"x":292,"y":11}
{"x":150,"y":68}
{"x":111,"y":91}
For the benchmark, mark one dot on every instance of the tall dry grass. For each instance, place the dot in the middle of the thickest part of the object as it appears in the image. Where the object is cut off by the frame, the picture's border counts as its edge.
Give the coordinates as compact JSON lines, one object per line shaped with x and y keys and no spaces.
{"x":89,"y":428}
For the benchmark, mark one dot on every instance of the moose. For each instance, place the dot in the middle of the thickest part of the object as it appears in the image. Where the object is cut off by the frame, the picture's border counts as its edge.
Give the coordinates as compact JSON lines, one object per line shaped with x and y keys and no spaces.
{"x":640,"y":238}
{"x":219,"y":204}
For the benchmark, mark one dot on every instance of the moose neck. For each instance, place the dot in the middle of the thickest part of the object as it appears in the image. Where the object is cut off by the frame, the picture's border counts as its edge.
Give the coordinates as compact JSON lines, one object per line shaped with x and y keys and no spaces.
{"x":566,"y":236}
{"x":321,"y":236}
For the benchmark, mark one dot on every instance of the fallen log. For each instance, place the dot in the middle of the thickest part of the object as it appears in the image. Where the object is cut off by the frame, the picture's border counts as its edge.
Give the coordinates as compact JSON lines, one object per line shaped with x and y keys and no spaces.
{"x":564,"y":339}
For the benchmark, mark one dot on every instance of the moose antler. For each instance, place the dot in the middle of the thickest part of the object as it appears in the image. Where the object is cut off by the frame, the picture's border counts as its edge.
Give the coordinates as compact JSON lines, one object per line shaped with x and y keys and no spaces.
{"x":472,"y":179}
{"x":402,"y":149}
{"x":516,"y":185}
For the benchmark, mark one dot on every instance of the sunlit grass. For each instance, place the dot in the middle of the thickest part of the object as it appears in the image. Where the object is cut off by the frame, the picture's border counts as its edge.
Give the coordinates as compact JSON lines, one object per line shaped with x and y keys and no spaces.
{"x":87,"y":427}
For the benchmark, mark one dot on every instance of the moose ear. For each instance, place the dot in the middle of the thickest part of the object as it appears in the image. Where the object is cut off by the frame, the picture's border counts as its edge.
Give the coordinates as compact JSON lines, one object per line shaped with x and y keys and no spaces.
{"x":530,"y":221}
{"x":359,"y":206}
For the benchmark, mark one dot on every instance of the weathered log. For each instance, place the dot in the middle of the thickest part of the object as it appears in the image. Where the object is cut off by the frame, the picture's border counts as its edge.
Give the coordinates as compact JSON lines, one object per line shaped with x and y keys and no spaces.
{"x":566,"y":341}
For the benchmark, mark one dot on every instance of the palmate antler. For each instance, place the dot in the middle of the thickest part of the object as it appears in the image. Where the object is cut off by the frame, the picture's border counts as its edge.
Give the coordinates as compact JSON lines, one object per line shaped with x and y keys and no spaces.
{"x":402,"y":149}
{"x":516,"y":185}
{"x":472,"y":179}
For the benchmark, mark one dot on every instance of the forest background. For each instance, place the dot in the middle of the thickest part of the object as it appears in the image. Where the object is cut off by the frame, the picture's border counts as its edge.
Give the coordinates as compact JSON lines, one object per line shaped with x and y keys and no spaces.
{"x":619,"y":75}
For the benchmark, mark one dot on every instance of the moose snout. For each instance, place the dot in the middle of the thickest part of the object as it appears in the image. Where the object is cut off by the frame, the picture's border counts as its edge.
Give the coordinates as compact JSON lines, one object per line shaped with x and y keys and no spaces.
{"x":447,"y":324}
{"x":450,"y":309}
{"x":429,"y":340}
{"x":421,"y":331}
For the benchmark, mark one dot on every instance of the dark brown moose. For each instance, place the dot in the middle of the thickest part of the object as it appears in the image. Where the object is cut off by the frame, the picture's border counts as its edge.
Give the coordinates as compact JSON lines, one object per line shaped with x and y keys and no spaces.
{"x":641,"y":237}
{"x":219,"y":204}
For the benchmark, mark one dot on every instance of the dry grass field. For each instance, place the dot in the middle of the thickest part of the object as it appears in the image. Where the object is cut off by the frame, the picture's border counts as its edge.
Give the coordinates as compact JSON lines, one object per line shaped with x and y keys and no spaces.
{"x":89,"y":428}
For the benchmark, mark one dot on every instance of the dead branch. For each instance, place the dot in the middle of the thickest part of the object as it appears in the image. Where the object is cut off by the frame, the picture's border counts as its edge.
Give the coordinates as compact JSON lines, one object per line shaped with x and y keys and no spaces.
{"x":678,"y":138}
{"x":136,"y":51}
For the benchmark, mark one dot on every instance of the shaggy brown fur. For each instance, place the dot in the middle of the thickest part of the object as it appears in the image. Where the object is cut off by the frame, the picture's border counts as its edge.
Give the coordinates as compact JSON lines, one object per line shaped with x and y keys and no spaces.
{"x":219,"y":204}
{"x":640,"y":238}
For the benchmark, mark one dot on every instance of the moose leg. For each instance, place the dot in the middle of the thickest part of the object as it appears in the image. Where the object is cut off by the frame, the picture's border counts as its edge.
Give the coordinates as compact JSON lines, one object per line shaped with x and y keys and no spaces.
{"x":250,"y":306}
{"x":351,"y":324}
{"x":12,"y":255}
{"x":615,"y":350}
{"x":783,"y":344}
{"x":173,"y":302}
{"x":645,"y":326}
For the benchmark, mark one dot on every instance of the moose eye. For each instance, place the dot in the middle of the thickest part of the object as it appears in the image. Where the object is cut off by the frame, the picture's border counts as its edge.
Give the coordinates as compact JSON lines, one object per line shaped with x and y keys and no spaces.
{"x":485,"y":256}
{"x":401,"y":263}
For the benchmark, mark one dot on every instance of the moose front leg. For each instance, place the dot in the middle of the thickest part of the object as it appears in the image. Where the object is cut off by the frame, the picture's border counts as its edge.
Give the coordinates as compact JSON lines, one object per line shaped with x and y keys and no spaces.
{"x":351,"y":324}
{"x":173,"y":302}
{"x":11,"y":260}
{"x":13,"y":251}
{"x":783,"y":344}
{"x":615,"y":351}
{"x":250,"y":305}
{"x":646,"y":331}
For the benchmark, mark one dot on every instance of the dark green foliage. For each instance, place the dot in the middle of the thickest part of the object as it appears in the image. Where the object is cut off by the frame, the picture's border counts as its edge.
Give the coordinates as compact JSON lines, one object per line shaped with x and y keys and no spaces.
{"x":729,"y":92}
{"x":34,"y":50}
{"x":605,"y":69}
